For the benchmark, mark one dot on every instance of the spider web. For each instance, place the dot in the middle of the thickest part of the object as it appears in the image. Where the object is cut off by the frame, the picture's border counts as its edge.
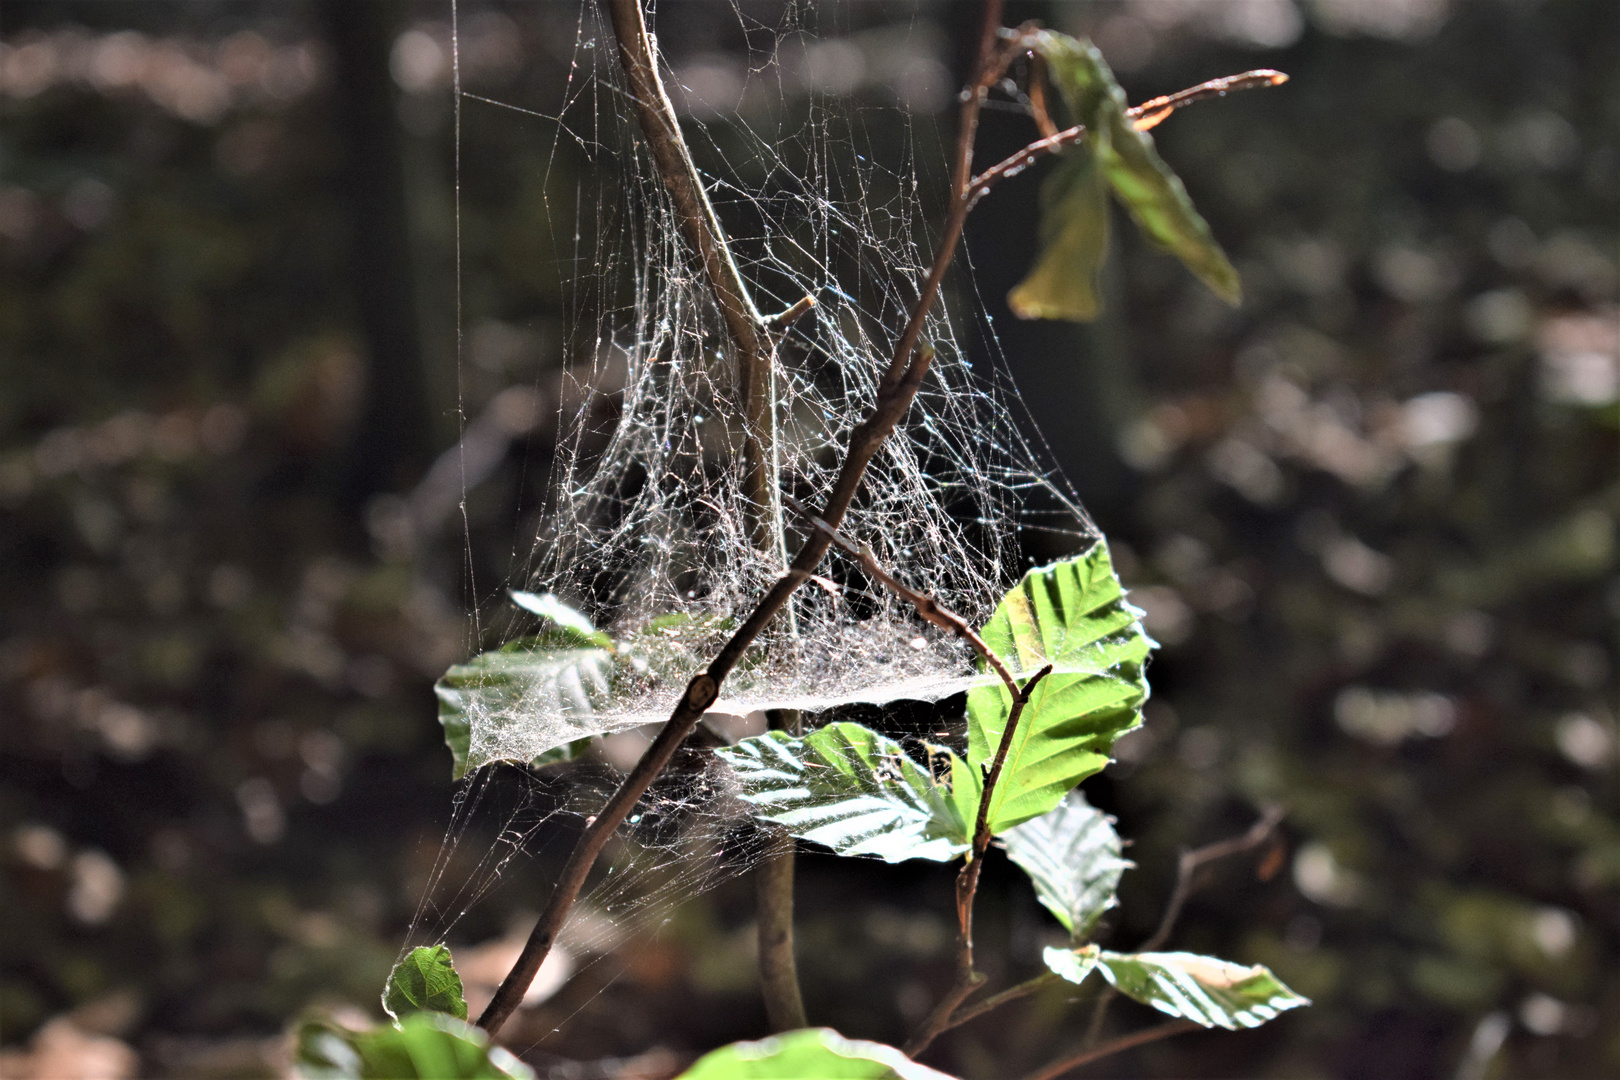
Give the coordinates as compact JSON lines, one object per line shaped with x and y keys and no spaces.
{"x":826,"y":194}
{"x":822,"y":195}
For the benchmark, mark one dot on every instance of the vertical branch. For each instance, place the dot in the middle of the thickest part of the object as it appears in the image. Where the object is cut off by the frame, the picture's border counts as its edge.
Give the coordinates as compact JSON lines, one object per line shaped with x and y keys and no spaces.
{"x":773,"y":903}
{"x":752,"y":347}
{"x":778,"y":968}
{"x":750,"y":341}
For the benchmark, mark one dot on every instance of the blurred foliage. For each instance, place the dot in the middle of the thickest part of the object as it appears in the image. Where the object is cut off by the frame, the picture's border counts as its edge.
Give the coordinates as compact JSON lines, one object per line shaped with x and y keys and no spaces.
{"x":1370,"y":514}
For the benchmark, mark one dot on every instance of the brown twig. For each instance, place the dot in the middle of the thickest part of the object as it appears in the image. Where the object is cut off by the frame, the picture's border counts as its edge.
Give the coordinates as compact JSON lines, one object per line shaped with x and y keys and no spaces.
{"x":778,"y":966}
{"x":1124,"y":1042}
{"x":1144,"y":116}
{"x":1190,"y":862}
{"x":895,"y":395}
{"x":996,"y":1001}
{"x":1187,"y":866}
{"x":967,"y":885}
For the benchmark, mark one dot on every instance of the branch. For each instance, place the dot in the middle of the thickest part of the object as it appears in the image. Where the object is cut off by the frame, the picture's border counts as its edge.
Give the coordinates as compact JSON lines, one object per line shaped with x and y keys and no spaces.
{"x":701,"y":227}
{"x":895,"y":395}
{"x":1147,"y":115}
{"x":996,"y":1001}
{"x":1124,"y":1042}
{"x":1187,"y":867}
{"x":778,"y":968}
{"x":1191,"y":862}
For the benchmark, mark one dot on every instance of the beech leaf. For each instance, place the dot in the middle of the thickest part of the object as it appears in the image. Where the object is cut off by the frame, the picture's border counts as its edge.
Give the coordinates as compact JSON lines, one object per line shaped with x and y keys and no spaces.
{"x":1072,"y":615}
{"x":857,"y":792}
{"x":1072,"y":854}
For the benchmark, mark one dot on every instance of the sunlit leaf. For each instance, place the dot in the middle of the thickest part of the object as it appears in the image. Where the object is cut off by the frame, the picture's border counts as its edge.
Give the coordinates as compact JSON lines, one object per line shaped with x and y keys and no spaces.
{"x":811,"y":1054}
{"x":1063,"y":283}
{"x":1072,"y":964}
{"x":508,"y":686}
{"x":1113,"y":155}
{"x":1207,"y":991}
{"x":853,"y":790}
{"x":425,"y":981}
{"x":562,"y":620}
{"x":1162,"y":208}
{"x":1072,"y":854}
{"x":1072,"y":615}
{"x":422,"y":1046}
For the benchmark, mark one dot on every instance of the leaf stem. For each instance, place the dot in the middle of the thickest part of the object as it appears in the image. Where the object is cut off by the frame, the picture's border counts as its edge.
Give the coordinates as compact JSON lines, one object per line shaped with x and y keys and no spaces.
{"x":895,"y":395}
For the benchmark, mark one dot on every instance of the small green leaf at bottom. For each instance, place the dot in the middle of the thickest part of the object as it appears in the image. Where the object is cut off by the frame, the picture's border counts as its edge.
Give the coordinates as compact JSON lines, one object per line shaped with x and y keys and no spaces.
{"x":1207,"y":991}
{"x":811,"y":1054}
{"x":425,"y":981}
{"x":423,"y":1046}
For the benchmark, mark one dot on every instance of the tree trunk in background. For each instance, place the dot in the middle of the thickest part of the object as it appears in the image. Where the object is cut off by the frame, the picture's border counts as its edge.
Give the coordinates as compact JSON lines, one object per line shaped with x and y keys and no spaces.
{"x":391,"y":446}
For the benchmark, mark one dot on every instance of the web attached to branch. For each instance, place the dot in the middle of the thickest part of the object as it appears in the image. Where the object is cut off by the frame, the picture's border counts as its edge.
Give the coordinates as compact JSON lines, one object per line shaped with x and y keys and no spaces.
{"x":650,"y":532}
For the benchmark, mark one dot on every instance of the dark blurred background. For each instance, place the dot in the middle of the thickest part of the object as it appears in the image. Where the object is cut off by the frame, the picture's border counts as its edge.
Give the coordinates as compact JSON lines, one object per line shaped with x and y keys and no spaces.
{"x":1371,"y":516}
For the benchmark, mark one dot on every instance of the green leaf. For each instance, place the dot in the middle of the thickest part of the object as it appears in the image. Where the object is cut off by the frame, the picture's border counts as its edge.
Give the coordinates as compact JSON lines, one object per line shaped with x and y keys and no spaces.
{"x":1072,"y":854}
{"x":1211,"y":992}
{"x":1071,"y":964}
{"x":1074,"y":217}
{"x":1164,"y":211}
{"x":562,"y":620}
{"x":422,"y":1046}
{"x":1072,"y":615}
{"x":853,"y":790}
{"x":811,"y":1054}
{"x":1063,"y":283}
{"x":507,"y":687}
{"x":425,"y":981}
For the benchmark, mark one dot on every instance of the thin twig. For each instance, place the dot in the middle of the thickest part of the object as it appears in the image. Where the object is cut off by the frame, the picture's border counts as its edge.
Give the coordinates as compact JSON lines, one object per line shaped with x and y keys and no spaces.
{"x":1124,"y":1042}
{"x":996,"y":1001}
{"x":967,"y":886}
{"x":990,"y":64}
{"x":1151,"y":113}
{"x":1190,"y":862}
{"x":1187,"y":866}
{"x":895,"y":395}
{"x":784,"y":319}
{"x":930,"y":609}
{"x":1144,"y":116}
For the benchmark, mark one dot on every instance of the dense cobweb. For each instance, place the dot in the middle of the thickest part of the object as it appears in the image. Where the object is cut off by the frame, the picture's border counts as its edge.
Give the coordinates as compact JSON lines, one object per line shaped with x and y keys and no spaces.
{"x":825,"y":193}
{"x":822,"y":196}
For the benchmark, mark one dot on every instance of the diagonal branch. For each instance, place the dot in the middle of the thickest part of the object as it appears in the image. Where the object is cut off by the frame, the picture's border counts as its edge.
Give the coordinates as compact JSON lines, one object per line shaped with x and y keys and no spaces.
{"x":1187,"y":867}
{"x":1109,"y":1049}
{"x":895,"y":395}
